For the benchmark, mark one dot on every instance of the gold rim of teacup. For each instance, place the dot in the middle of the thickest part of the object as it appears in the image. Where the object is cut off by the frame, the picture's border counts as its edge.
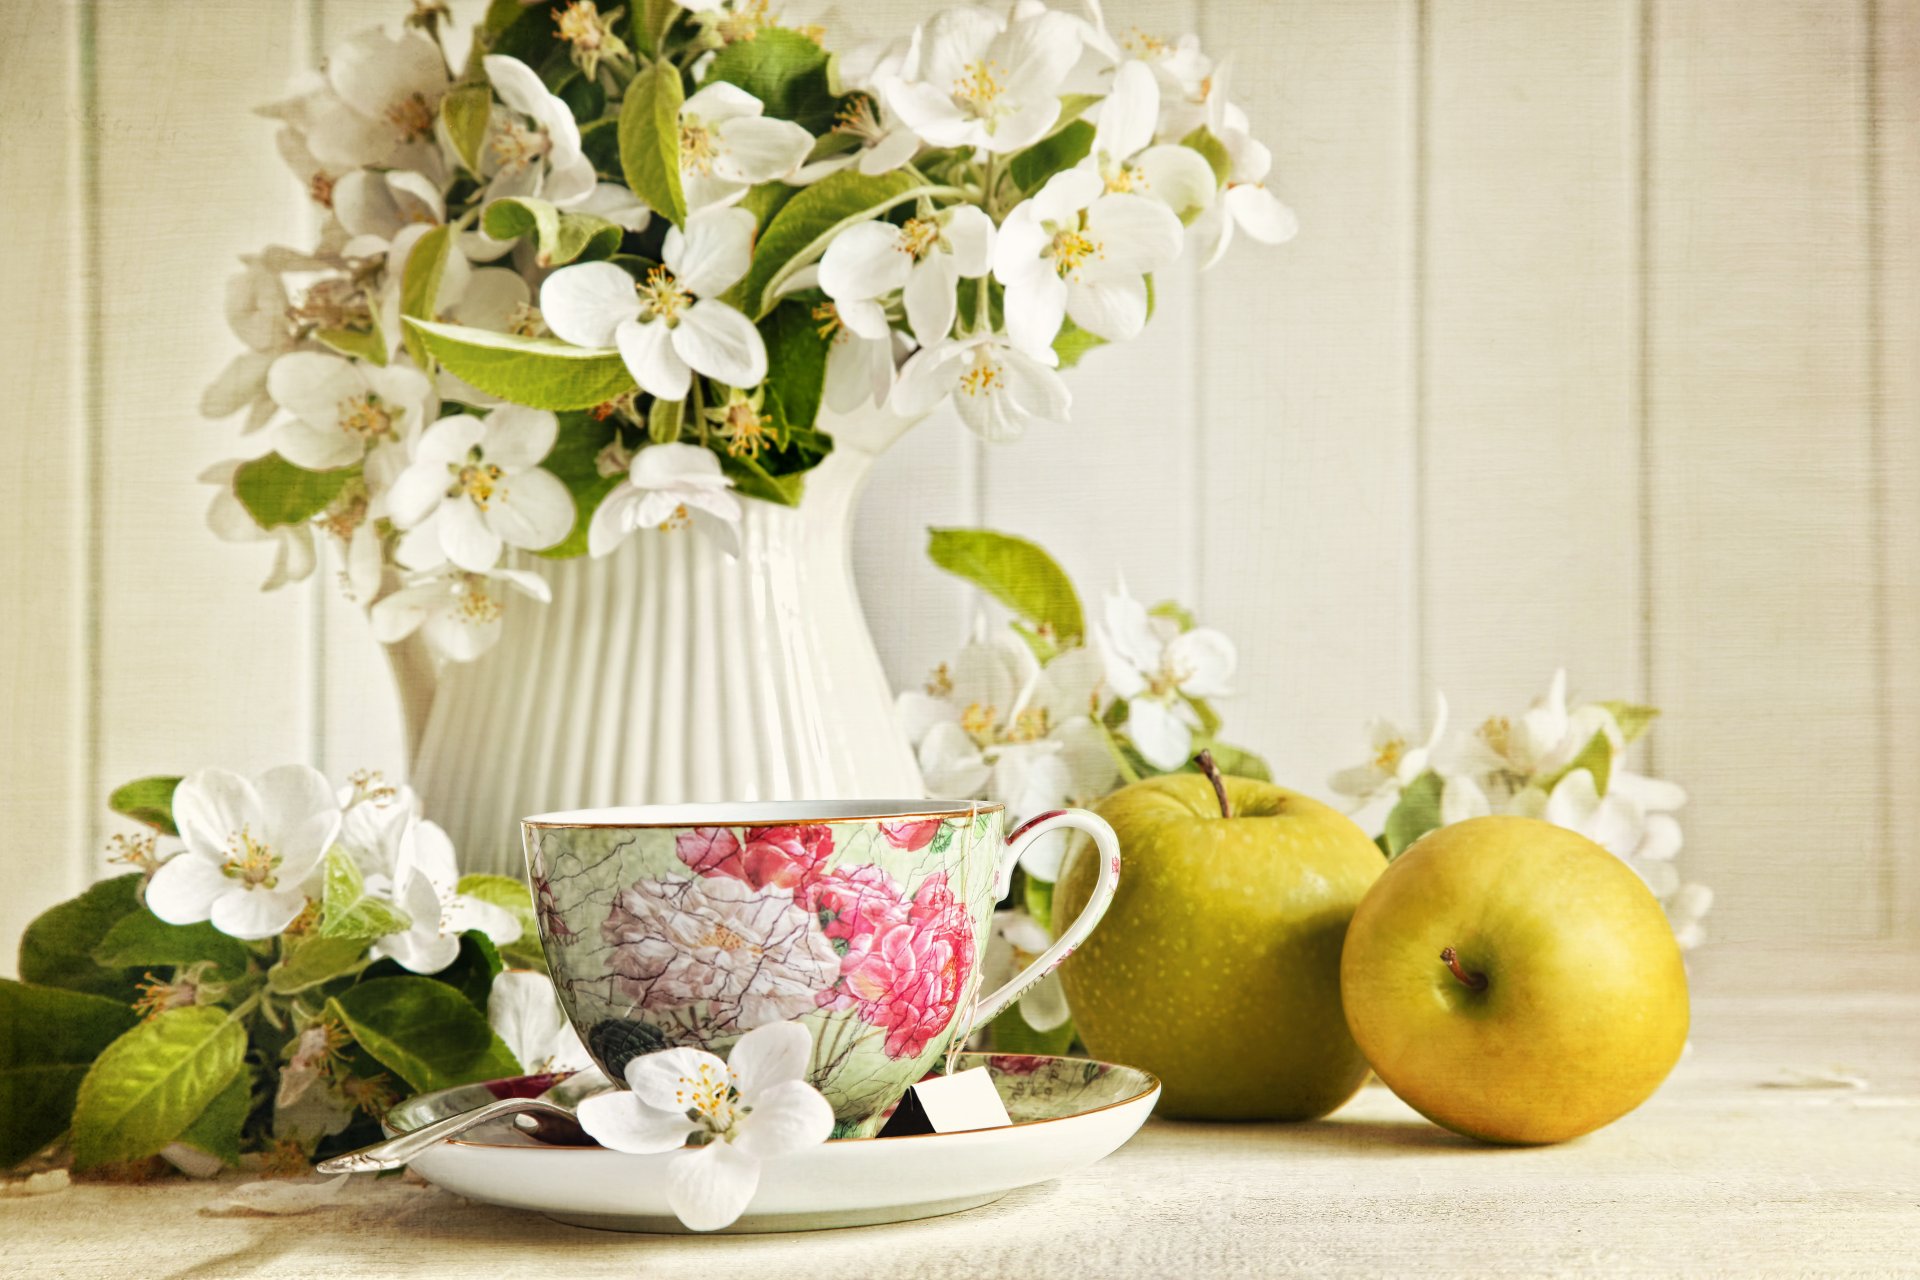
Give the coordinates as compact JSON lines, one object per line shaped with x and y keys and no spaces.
{"x":721,"y":815}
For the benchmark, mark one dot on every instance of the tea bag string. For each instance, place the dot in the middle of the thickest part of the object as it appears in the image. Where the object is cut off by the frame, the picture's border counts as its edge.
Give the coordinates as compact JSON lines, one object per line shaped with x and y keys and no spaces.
{"x":957,"y":1045}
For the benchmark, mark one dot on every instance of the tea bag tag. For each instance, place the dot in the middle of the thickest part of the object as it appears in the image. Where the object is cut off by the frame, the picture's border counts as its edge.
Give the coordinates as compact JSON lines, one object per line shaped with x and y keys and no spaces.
{"x":949,"y":1104}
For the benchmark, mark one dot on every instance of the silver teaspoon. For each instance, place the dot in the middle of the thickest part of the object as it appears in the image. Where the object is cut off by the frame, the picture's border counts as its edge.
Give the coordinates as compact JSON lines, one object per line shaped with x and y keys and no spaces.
{"x":397,"y":1151}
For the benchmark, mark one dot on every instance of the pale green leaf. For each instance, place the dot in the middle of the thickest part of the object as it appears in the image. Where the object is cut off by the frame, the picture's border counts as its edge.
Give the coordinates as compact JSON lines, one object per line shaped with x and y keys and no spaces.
{"x":56,"y":950}
{"x":153,"y":1082}
{"x":786,"y":70}
{"x":312,"y":961}
{"x":1212,"y":150}
{"x":466,"y":112}
{"x":424,"y":1031}
{"x":276,"y":493}
{"x":141,"y":938}
{"x":368,"y":344}
{"x":1633,"y":718}
{"x":506,"y":892}
{"x":1011,"y":1033}
{"x":1596,"y":758}
{"x":650,"y":140}
{"x":420,"y":285}
{"x":347,"y":910}
{"x":1417,"y":813}
{"x":1013,"y":571}
{"x":541,"y":373}
{"x":1063,"y":149}
{"x":664,"y":420}
{"x":48,"y":1039}
{"x":808,"y":223}
{"x":559,"y":237}
{"x":147,"y":800}
{"x":216,"y":1130}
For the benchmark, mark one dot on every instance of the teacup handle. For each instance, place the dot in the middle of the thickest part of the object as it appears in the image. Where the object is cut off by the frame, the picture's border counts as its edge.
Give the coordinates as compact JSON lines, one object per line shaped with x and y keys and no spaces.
{"x":991,"y":1006}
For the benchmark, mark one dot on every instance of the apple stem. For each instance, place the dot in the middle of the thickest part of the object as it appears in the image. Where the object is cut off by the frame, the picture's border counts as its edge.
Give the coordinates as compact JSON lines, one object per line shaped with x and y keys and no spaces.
{"x":1471,"y":981}
{"x":1204,"y":762}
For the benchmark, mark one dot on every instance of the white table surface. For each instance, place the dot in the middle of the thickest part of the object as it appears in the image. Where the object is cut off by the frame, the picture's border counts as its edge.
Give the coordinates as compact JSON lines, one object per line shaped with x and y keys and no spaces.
{"x":1719,"y":1174}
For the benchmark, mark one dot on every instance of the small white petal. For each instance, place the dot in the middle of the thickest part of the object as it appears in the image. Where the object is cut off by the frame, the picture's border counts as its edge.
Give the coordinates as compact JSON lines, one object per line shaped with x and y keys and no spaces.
{"x":185,"y":888}
{"x":466,"y":537}
{"x":768,"y":1055}
{"x":864,"y":261}
{"x":585,"y":304}
{"x":665,"y":1079}
{"x":718,"y":341}
{"x":713,"y":253}
{"x":1260,"y":213}
{"x":787,"y":1117}
{"x":710,"y":1187}
{"x":621,"y":1122}
{"x":532,"y":510}
{"x":648,"y":350}
{"x":1161,"y":737}
{"x":252,"y":914}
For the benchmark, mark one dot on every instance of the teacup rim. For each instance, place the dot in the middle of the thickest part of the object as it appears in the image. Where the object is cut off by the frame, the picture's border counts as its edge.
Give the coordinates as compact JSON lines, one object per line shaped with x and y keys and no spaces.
{"x":755,"y":813}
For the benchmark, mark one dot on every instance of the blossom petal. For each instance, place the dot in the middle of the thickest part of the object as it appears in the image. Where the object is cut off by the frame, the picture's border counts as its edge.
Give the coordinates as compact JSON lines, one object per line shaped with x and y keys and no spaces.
{"x":1036,"y":308}
{"x":621,"y":1122}
{"x":865,"y":261}
{"x":1162,"y":738}
{"x":661,"y":1079}
{"x":252,"y":914}
{"x":1112,"y":309}
{"x":1178,"y":177}
{"x":299,"y":815}
{"x":968,"y":233}
{"x":769,"y":1055}
{"x":1260,"y":213}
{"x":711,"y":1186}
{"x":185,"y":888}
{"x":612,"y":520}
{"x":787,"y":1117}
{"x":1460,"y":799}
{"x":492,"y":296}
{"x":648,"y":349}
{"x":721,"y":100}
{"x":927,"y":378}
{"x":930,"y":296}
{"x":518,"y":85}
{"x":1129,"y":114}
{"x":517,"y":437}
{"x":720,"y":342}
{"x":1136,"y":235}
{"x":585,"y":304}
{"x":1039,"y":392}
{"x":714,"y":252}
{"x":210,"y":806}
{"x":533,"y":510}
{"x":952,"y":763}
{"x":754,"y":150}
{"x":1204,"y":659}
{"x":416,"y":495}
{"x":1044,"y":1006}
{"x":466,"y":537}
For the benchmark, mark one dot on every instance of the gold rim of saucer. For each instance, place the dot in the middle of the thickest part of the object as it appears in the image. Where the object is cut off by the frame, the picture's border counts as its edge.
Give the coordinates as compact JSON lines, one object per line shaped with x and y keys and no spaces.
{"x":721,"y":815}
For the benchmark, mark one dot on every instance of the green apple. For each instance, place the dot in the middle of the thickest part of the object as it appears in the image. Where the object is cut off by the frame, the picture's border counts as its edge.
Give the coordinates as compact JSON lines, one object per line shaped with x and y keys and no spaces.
{"x":1515,"y":982}
{"x":1218,"y":966}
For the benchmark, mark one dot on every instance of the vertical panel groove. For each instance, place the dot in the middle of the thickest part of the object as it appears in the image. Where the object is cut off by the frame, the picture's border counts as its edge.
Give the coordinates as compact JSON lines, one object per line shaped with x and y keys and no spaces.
{"x":94,"y":461}
{"x":1643,"y":355}
{"x":1874,"y":300}
{"x":1417,"y":345}
{"x":307,"y":55}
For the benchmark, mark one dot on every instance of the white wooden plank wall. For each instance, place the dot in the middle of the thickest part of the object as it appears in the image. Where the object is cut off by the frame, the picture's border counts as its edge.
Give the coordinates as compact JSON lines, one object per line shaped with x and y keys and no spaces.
{"x":1597,"y":348}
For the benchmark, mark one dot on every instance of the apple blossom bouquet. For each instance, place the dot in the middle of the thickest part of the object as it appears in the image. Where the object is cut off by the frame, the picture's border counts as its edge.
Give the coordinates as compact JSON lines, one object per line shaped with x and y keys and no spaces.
{"x":285,"y":960}
{"x":1054,"y":712}
{"x":1564,"y":764}
{"x":603,"y":276}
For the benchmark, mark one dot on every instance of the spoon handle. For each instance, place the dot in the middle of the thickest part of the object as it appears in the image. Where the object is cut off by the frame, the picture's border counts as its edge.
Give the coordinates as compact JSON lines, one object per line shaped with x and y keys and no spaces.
{"x":394,"y":1152}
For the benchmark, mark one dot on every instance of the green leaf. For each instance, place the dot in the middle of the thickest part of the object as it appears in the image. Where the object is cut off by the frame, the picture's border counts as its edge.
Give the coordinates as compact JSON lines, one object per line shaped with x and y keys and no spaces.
{"x":312,"y":962}
{"x":1212,"y":150}
{"x":807,"y":224}
{"x":466,"y":112}
{"x":1062,"y":150}
{"x":575,"y":460}
{"x":142,"y":938}
{"x":1012,"y":1034}
{"x":57,"y":948}
{"x":216,"y":1130}
{"x":1596,"y":758}
{"x":1417,"y":813}
{"x":650,"y":140}
{"x":363,"y":344}
{"x":516,"y":30}
{"x":652,"y":19}
{"x":276,"y":493}
{"x":796,"y":366}
{"x":1037,"y":896}
{"x":1073,"y":342}
{"x":559,"y":237}
{"x":147,"y":800}
{"x":1237,"y":762}
{"x":420,"y":285}
{"x":664,"y":420}
{"x":1013,"y":571}
{"x":1633,"y":718}
{"x":424,"y":1031}
{"x":786,"y":71}
{"x":766,"y":200}
{"x":1174,"y":612}
{"x":347,"y":910}
{"x":48,"y":1039}
{"x":471,"y":972}
{"x":506,"y":892}
{"x":152,"y":1083}
{"x":541,"y":373}
{"x":600,"y":143}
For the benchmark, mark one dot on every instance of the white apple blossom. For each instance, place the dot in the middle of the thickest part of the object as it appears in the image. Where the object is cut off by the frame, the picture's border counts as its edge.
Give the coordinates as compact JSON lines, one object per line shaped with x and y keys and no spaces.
{"x":533,"y":145}
{"x":754,"y":1107}
{"x":997,"y":387}
{"x":378,"y":106}
{"x":973,"y":79}
{"x":345,"y":411}
{"x":882,"y":143}
{"x":524,"y":1011}
{"x":1125,"y":158}
{"x":458,"y":612}
{"x":258,"y":313}
{"x":1016,"y":940}
{"x":863,"y":354}
{"x":1396,"y":759}
{"x":996,"y":723}
{"x":1075,"y":250}
{"x":672,"y":325}
{"x":475,"y":486}
{"x":668,"y":486}
{"x":293,"y":553}
{"x":1156,"y":668}
{"x":728,"y":145}
{"x":425,"y":877}
{"x":253,"y":849}
{"x":1245,"y":203}
{"x":925,"y":259}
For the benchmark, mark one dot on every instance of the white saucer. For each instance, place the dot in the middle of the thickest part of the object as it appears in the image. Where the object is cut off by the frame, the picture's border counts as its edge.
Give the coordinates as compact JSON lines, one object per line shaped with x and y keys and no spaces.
{"x":1067,"y":1113}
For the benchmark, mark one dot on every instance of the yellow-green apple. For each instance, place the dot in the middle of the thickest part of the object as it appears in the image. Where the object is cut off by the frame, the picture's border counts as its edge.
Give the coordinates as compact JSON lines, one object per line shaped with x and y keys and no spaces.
{"x":1515,"y":982}
{"x":1217,"y":967}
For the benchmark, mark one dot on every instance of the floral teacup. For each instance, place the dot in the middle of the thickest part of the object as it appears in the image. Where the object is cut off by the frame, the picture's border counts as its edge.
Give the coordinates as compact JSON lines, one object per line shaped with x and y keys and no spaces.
{"x":866,"y":922}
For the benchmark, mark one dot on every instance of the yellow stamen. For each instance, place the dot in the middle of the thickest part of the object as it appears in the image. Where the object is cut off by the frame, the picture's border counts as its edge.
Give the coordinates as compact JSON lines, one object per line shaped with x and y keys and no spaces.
{"x":412,"y":115}
{"x":940,"y":683}
{"x":918,"y":237}
{"x":251,"y":862}
{"x":477,"y":603}
{"x":698,"y":147}
{"x":1071,"y":249}
{"x":476,"y":480}
{"x":982,"y":724}
{"x":366,"y":416}
{"x":980,"y":85}
{"x":662,"y":297}
{"x":679,"y":519}
{"x":983,"y":379}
